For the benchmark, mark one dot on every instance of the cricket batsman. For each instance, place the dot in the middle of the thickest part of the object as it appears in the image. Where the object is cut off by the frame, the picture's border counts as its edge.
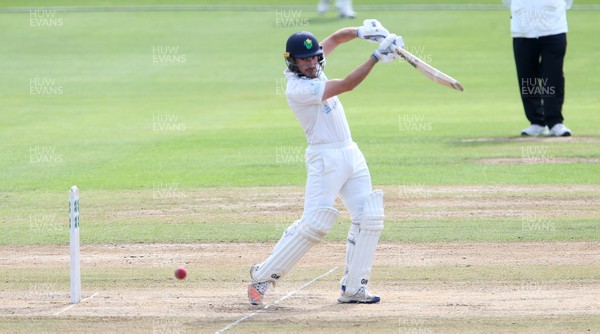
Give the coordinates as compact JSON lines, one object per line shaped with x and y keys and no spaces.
{"x":335,"y":165}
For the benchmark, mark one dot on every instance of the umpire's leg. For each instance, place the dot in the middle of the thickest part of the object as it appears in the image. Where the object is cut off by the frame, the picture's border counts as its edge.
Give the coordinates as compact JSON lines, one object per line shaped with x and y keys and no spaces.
{"x":527,"y":60}
{"x":553,"y":49}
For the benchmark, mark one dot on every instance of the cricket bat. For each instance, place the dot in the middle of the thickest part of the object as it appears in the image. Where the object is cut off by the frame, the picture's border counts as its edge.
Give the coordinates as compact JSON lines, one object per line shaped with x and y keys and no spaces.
{"x":429,"y":71}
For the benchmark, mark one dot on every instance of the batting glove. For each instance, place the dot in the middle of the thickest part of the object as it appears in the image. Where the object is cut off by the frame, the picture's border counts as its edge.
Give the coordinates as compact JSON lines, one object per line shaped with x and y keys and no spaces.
{"x":399,"y":42}
{"x":372,"y":31}
{"x":385,"y":53}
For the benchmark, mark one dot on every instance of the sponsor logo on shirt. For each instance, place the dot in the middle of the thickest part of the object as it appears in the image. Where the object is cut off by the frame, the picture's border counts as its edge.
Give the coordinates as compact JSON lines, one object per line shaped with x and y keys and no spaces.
{"x":329,"y":105}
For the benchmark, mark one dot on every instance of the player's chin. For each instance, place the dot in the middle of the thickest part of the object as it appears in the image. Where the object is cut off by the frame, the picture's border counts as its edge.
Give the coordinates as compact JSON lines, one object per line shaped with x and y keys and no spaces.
{"x":311,"y":74}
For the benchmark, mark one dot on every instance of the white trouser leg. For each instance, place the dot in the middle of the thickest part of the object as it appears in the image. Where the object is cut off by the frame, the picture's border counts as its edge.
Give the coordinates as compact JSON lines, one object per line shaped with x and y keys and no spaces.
{"x":322,"y":6}
{"x":294,"y":244}
{"x":327,"y":171}
{"x":371,"y":225}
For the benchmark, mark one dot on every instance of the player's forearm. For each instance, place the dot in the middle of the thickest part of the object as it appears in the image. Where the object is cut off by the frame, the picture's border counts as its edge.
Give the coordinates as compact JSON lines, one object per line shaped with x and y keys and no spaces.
{"x":339,"y":86}
{"x":339,"y":37}
{"x":360,"y":73}
{"x":344,"y":35}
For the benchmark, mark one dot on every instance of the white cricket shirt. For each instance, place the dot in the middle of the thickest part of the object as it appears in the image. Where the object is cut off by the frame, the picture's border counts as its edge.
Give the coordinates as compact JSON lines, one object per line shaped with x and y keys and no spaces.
{"x":538,"y":18}
{"x":324,"y":122}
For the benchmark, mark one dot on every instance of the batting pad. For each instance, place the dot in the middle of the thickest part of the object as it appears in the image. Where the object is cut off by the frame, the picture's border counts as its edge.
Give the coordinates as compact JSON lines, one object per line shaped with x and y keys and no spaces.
{"x":371,"y":225}
{"x":350,"y":243}
{"x":296,"y":241}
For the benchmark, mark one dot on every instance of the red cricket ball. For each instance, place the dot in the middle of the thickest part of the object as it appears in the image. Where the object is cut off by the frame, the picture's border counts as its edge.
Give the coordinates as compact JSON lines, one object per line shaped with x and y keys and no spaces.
{"x":180,"y":273}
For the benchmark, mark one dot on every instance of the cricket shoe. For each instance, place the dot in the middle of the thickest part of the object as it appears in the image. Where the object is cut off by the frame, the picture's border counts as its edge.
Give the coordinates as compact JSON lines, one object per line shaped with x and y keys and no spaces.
{"x":347,"y":13}
{"x":363,"y":296}
{"x":256,"y":292}
{"x":560,"y":130}
{"x":534,"y":130}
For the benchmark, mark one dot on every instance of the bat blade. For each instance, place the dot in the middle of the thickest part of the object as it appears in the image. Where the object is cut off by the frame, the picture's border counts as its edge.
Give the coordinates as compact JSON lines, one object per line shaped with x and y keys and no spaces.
{"x":429,"y":71}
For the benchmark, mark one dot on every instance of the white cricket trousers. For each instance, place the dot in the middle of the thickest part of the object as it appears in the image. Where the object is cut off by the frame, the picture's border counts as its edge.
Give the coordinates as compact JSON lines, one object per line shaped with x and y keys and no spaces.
{"x":333,"y":169}
{"x":336,"y":169}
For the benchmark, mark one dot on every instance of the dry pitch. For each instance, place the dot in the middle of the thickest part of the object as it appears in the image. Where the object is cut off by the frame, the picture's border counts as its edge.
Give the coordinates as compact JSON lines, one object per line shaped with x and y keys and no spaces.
{"x":425,"y":287}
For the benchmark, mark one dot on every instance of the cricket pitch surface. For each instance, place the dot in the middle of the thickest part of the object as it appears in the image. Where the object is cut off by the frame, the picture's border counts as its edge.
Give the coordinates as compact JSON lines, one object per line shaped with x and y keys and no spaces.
{"x":441,"y":287}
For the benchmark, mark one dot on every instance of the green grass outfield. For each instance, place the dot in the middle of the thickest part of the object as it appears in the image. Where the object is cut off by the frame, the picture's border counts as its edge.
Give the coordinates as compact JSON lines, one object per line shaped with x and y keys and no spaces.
{"x":174,"y":125}
{"x":87,"y":100}
{"x":311,"y":3}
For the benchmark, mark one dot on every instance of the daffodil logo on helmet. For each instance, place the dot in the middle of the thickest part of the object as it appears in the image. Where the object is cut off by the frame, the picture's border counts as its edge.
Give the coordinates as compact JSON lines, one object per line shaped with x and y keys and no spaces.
{"x":308,"y":43}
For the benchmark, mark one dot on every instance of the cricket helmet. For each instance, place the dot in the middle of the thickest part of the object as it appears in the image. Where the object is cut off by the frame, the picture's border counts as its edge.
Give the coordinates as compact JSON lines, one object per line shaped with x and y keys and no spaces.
{"x":301,"y":45}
